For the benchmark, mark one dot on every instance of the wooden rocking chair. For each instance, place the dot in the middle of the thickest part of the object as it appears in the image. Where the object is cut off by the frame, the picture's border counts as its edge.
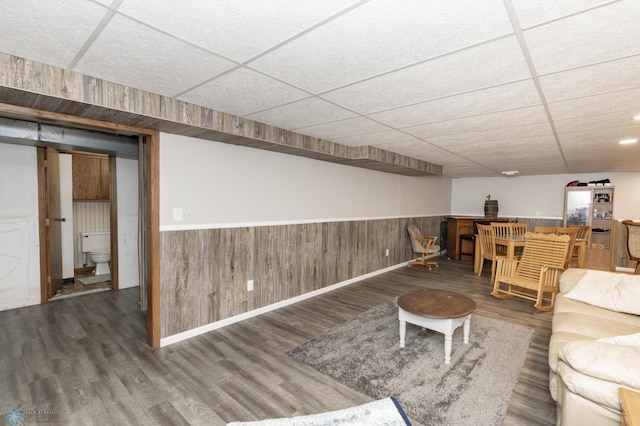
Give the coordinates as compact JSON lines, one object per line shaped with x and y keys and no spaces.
{"x":423,"y":245}
{"x":535,"y":276}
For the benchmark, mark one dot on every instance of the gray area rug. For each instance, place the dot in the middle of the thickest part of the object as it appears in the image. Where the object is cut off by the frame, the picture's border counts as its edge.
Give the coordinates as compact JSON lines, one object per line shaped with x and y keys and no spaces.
{"x":475,"y":389}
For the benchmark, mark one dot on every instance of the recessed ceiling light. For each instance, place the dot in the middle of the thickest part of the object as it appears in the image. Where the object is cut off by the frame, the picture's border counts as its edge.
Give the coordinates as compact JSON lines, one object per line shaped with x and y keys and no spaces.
{"x":628,"y":141}
{"x":636,"y":117}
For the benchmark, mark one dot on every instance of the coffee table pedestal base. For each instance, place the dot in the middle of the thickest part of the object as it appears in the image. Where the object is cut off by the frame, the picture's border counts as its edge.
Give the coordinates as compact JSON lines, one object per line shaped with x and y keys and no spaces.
{"x":445,"y":326}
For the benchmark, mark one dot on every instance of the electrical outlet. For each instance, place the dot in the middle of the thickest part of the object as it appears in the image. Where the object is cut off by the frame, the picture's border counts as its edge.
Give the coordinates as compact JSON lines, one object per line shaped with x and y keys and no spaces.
{"x":177,"y":214}
{"x":250,"y":285}
{"x":386,"y":253}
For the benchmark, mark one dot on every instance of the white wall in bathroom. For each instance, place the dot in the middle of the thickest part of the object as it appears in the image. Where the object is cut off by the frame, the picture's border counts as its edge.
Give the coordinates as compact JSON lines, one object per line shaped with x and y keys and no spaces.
{"x":89,"y":216}
{"x":19,"y":240}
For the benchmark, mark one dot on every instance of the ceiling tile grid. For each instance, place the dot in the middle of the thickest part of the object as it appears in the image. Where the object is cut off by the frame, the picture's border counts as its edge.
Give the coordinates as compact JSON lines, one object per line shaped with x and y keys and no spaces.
{"x":445,"y":82}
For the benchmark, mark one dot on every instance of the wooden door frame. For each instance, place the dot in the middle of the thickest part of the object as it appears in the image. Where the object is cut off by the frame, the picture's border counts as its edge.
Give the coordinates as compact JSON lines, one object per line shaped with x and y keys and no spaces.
{"x":151,"y":139}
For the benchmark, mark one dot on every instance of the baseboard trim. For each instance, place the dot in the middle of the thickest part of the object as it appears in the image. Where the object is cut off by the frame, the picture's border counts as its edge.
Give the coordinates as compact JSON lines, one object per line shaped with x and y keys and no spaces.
{"x":175,"y":338}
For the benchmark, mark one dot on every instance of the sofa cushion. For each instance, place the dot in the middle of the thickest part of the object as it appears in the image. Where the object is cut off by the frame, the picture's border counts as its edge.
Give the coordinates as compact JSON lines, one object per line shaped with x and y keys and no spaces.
{"x":606,"y":361}
{"x":617,"y":292}
{"x":569,"y":278}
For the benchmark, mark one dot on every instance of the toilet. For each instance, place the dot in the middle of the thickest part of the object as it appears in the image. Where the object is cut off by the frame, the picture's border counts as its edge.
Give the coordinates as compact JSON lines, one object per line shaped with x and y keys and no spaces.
{"x":97,"y":246}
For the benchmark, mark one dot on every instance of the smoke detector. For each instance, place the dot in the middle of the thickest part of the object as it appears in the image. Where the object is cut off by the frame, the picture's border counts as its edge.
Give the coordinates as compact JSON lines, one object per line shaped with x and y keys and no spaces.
{"x":511,"y":173}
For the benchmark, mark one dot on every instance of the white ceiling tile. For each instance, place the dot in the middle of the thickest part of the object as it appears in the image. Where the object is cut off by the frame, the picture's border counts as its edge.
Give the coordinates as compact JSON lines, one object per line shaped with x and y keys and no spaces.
{"x":375,"y":139}
{"x":502,"y":62}
{"x":496,"y":136}
{"x":599,"y":35}
{"x":307,"y":112}
{"x":508,"y":96}
{"x":618,"y":101}
{"x":499,"y":120}
{"x":52,"y":32}
{"x":243,"y":91}
{"x":380,"y":36}
{"x":343,"y":128}
{"x":237,"y":29}
{"x":132,"y":54}
{"x":595,"y":79}
{"x":593,"y":122}
{"x":601,"y":139}
{"x":533,"y":12}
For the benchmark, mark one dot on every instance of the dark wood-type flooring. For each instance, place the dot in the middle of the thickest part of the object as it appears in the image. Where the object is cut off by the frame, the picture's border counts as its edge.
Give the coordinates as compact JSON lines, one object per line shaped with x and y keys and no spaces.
{"x":85,"y":359}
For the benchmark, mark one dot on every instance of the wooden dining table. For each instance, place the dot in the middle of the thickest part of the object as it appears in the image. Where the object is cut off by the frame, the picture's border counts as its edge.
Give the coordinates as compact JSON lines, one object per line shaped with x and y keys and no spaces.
{"x":510,"y":242}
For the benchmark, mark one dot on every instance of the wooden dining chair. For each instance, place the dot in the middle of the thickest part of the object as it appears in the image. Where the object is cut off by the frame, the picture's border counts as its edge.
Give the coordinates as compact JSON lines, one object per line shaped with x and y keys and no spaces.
{"x":584,"y":235}
{"x":518,"y":229}
{"x":572,"y":232}
{"x":487,"y":244}
{"x":501,"y":230}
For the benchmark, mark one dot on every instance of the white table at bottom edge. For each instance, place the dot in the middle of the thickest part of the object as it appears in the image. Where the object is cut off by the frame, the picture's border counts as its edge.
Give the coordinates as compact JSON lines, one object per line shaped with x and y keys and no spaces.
{"x":442,"y":325}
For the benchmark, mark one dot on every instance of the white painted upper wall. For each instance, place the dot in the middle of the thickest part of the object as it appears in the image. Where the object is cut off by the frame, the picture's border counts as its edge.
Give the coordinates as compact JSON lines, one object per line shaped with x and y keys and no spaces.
{"x":222,"y":185}
{"x":540,"y":196}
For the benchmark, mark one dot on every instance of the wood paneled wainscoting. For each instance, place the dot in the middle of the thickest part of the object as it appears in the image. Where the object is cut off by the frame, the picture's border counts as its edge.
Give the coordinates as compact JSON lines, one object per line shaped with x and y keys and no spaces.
{"x":204,"y":272}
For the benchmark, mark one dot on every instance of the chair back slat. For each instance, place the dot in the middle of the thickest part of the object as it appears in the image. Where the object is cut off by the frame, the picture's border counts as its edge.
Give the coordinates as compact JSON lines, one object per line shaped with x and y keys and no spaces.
{"x":518,"y":228}
{"x":542,"y":250}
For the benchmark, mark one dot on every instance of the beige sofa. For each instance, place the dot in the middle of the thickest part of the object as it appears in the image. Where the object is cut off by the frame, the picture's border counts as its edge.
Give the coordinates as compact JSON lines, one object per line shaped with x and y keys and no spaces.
{"x":594,"y":350}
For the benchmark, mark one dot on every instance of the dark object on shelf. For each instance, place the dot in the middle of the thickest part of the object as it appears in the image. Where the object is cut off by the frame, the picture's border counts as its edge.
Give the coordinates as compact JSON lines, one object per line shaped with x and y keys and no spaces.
{"x":599,"y":230}
{"x":603,"y":181}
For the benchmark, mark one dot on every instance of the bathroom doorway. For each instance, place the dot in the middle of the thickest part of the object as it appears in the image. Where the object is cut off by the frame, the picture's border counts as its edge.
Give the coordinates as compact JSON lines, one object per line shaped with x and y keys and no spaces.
{"x":83,"y":205}
{"x":145,"y":149}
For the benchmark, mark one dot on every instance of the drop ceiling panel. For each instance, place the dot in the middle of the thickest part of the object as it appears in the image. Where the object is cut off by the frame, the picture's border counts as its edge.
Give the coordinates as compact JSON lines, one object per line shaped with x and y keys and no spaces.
{"x":385,"y":137}
{"x":591,"y":80}
{"x":613,"y":33}
{"x":507,"y":96}
{"x":343,"y":128}
{"x":511,"y":135}
{"x":602,"y":121}
{"x":618,"y":101}
{"x":52,"y":32}
{"x":243,"y":91}
{"x":307,"y":112}
{"x":602,"y":139}
{"x":132,"y":54}
{"x":502,"y":62}
{"x":237,"y":29}
{"x":503,"y":119}
{"x":379,"y":36}
{"x":534,"y":12}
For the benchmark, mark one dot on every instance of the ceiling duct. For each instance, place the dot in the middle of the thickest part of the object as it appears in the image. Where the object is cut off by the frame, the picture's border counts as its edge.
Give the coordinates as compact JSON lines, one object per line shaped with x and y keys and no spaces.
{"x":67,"y":139}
